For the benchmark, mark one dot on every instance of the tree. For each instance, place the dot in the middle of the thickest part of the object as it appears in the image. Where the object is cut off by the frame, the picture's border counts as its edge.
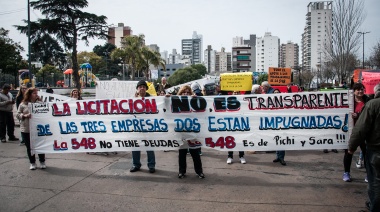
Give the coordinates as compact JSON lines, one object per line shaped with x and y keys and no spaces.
{"x":10,"y":53}
{"x":374,"y":59}
{"x":90,"y":57}
{"x":150,"y":57}
{"x":66,"y":20}
{"x":101,"y":50}
{"x":49,"y":73}
{"x":262,"y":78}
{"x":344,"y":41}
{"x":187,"y":74}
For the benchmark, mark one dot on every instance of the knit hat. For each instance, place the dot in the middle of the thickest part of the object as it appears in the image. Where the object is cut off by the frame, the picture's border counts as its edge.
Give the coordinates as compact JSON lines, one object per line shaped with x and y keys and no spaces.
{"x":142,"y":82}
{"x":195,"y":86}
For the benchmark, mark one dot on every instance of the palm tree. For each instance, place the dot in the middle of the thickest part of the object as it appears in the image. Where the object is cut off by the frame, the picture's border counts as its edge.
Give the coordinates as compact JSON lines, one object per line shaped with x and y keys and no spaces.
{"x":151,"y":58}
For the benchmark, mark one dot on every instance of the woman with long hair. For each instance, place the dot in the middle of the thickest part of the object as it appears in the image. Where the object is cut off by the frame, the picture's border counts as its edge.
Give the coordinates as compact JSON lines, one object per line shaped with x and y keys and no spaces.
{"x":75,"y":94}
{"x":194,"y":151}
{"x":19,"y":98}
{"x":359,"y":101}
{"x":23,"y":114}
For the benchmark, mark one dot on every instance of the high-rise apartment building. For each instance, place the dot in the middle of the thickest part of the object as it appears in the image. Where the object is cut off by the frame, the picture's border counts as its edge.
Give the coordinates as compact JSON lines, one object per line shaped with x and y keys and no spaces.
{"x":153,"y":47}
{"x":317,"y":33}
{"x":192,"y":48}
{"x":209,"y":60}
{"x":289,"y":55}
{"x":267,"y":52}
{"x":244,"y":54}
{"x":223,"y":61}
{"x":118,"y":33}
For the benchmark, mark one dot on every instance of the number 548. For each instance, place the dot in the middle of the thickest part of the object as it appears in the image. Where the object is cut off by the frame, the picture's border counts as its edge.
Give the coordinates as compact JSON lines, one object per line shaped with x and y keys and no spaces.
{"x":228,"y":142}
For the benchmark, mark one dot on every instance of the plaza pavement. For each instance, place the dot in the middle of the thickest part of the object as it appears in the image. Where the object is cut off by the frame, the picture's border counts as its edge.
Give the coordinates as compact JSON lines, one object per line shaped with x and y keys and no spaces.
{"x":311,"y":181}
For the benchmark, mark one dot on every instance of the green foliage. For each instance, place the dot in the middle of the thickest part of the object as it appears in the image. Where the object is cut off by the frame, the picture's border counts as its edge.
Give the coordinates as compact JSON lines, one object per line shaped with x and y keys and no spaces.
{"x":10,"y":54}
{"x":262,"y":78}
{"x":187,"y":74}
{"x":68,"y":22}
{"x":101,"y":50}
{"x":49,"y":74}
{"x":95,"y":61}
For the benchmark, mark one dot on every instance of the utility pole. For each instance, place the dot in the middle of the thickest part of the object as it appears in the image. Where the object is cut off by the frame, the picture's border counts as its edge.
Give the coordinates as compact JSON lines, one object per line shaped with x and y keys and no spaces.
{"x":363,"y":33}
{"x":29,"y":59}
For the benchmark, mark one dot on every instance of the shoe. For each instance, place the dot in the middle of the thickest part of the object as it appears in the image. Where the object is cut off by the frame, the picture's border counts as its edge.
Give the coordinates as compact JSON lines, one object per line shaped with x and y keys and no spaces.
{"x":13,"y":139}
{"x":242,"y":160}
{"x":229,"y":160}
{"x":334,"y":150}
{"x":200,"y":153}
{"x":22,"y":143}
{"x":347,"y":177}
{"x":32,"y":166}
{"x":3,"y":140}
{"x":134,"y":169}
{"x":201,"y":175}
{"x":181,"y":175}
{"x":282,"y":162}
{"x":368,"y":204}
{"x":366,"y":179}
{"x":359,"y":164}
{"x":325,"y":151}
{"x":276,"y":160}
{"x":43,"y":165}
{"x":152,"y":170}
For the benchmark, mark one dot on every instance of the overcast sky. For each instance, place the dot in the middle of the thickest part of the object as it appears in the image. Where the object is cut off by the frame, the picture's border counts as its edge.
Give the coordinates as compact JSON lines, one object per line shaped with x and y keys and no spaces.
{"x":167,"y":22}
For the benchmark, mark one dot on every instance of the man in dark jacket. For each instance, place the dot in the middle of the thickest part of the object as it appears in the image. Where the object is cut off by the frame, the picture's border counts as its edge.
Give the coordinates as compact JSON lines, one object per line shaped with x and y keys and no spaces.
{"x":142,"y":87}
{"x":367,"y":129}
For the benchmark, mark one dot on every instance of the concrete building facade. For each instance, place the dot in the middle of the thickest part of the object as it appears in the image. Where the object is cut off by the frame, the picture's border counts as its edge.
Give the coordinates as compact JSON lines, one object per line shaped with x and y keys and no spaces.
{"x":118,"y":33}
{"x":244,"y":56}
{"x":209,"y":60}
{"x":289,"y":55}
{"x":317,"y":33}
{"x":192,"y":48}
{"x":223,"y":61}
{"x":268,"y":52}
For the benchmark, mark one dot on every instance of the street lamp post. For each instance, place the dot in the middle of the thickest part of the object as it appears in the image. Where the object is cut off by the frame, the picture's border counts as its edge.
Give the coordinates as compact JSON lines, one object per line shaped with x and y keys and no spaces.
{"x":363,"y":33}
{"x":106,"y":54}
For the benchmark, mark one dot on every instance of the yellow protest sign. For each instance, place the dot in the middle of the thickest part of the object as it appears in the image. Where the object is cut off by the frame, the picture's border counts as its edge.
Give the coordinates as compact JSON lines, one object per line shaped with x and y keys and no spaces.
{"x":236,"y":81}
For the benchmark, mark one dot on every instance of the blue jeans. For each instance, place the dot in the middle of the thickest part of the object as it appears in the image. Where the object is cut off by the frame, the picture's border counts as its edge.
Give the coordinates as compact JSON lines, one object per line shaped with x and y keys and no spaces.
{"x":136,"y":159}
{"x":280,"y":155}
{"x":373,"y":174}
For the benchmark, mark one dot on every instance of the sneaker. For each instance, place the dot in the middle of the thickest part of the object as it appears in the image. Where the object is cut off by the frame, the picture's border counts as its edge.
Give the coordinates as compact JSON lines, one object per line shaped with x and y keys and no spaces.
{"x":13,"y":139}
{"x":242,"y":160}
{"x":32,"y":166}
{"x":201,"y":175}
{"x":181,"y":175}
{"x":200,"y":153}
{"x":3,"y":140}
{"x":43,"y":165}
{"x":359,"y":164}
{"x":347,"y":177}
{"x":334,"y":150}
{"x":366,"y":179}
{"x":229,"y":160}
{"x":325,"y":151}
{"x":134,"y":169}
{"x":22,"y":143}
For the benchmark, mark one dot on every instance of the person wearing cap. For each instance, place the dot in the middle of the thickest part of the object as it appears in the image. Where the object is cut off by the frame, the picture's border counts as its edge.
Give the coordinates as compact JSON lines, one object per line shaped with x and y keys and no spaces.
{"x":7,"y":123}
{"x":197,"y":90}
{"x":141,"y":88}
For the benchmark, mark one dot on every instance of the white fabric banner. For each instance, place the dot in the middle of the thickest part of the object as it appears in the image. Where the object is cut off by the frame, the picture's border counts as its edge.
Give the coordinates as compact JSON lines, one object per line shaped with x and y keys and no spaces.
{"x":287,"y":121}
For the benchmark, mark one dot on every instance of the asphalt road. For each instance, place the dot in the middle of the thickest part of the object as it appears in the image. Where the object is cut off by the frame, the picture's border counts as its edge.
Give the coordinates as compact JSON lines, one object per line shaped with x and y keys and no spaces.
{"x":311,"y":181}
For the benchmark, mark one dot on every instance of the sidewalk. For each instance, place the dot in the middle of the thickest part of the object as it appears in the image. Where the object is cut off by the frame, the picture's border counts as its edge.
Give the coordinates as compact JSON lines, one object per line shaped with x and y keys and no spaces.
{"x":312,"y":181}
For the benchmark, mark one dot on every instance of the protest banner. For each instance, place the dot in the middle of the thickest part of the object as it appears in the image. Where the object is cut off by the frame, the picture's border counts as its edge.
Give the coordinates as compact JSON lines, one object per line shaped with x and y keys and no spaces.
{"x":119,"y":89}
{"x":285,"y":121}
{"x":370,"y":80}
{"x":49,"y":97}
{"x":279,"y":76}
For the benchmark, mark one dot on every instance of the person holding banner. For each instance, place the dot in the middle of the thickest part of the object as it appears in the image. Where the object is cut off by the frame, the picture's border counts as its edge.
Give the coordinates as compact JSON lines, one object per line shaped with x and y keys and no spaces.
{"x":23,"y":114}
{"x":367,"y":129}
{"x":231,"y":153}
{"x":194,"y":151}
{"x":141,"y":88}
{"x":19,"y":98}
{"x":360,"y":99}
{"x":267,"y":89}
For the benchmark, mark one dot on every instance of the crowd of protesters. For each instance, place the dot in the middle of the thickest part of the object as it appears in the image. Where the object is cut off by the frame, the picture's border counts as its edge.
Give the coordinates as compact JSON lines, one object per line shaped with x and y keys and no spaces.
{"x":366,"y":132}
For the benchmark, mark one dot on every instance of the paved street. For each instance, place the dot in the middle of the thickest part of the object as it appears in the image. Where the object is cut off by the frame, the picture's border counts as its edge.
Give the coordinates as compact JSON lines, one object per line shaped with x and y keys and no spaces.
{"x":312,"y":181}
